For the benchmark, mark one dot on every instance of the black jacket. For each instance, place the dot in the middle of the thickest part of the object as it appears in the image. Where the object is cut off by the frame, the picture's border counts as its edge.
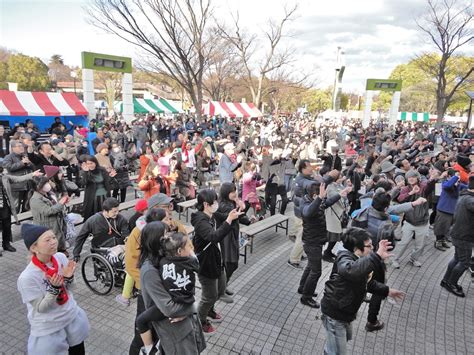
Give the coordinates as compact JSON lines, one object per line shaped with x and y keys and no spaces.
{"x":314,"y":218}
{"x":230,"y":246}
{"x":464,"y":217}
{"x":103,"y":235}
{"x":348,"y":283}
{"x":90,"y":188}
{"x":207,"y":236}
{"x":299,"y":190}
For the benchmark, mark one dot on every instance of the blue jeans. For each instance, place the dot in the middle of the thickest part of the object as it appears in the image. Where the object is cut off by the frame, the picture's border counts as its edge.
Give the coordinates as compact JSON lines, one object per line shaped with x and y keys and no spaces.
{"x":338,"y":334}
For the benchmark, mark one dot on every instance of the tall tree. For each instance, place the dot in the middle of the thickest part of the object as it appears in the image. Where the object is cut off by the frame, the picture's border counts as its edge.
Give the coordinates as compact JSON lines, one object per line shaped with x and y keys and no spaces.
{"x":56,"y":59}
{"x":112,"y":84}
{"x":448,"y":25}
{"x":30,"y":73}
{"x":249,"y":47}
{"x":174,"y":35}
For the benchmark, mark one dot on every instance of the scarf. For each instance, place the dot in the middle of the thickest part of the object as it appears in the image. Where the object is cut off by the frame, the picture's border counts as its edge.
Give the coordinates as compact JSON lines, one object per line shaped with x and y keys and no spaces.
{"x":63,"y":297}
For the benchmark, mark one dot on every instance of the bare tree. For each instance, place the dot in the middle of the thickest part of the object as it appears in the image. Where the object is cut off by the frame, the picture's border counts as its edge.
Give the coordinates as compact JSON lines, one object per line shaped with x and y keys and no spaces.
{"x":273,"y":58}
{"x":448,"y":24}
{"x":223,"y":70}
{"x":173,"y":34}
{"x":112,"y":84}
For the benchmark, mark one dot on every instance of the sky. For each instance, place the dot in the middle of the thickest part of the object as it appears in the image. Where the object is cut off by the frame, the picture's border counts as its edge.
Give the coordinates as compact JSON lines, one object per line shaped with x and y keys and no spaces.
{"x":375,"y":35}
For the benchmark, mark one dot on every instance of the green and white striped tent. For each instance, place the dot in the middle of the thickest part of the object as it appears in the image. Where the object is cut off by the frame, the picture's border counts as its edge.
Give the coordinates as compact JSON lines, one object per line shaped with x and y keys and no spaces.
{"x":149,"y":106}
{"x":414,"y":116}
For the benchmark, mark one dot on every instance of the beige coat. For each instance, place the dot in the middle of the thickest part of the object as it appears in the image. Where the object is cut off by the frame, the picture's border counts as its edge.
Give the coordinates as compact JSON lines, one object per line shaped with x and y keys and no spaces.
{"x":334,"y":213}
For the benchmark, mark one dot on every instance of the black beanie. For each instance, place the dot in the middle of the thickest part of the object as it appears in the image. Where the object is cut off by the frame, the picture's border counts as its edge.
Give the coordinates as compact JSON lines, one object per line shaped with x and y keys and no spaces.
{"x":31,"y":232}
{"x":463,"y":160}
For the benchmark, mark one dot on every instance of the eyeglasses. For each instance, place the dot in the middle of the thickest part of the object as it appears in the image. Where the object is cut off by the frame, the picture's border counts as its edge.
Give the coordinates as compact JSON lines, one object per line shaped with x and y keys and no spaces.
{"x":371,"y":246}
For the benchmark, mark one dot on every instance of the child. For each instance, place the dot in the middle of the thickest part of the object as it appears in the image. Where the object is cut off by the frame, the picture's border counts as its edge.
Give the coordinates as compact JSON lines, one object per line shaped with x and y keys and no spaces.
{"x":58,"y":324}
{"x":141,"y":208}
{"x":177,"y":267}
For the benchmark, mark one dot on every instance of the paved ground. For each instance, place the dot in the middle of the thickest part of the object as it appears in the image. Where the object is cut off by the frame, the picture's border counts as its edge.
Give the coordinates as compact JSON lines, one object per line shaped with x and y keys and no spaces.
{"x":267,"y":317}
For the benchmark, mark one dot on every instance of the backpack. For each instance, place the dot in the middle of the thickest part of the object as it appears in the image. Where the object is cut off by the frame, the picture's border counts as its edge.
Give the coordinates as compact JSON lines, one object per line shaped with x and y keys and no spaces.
{"x":384,"y":231}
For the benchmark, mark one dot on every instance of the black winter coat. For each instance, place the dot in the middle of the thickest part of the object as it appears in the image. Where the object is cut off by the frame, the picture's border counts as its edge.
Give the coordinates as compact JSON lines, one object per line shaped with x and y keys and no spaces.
{"x":464,"y":217}
{"x":230,"y":245}
{"x":314,"y":218}
{"x":206,"y":236}
{"x":348,"y":283}
{"x":90,"y":188}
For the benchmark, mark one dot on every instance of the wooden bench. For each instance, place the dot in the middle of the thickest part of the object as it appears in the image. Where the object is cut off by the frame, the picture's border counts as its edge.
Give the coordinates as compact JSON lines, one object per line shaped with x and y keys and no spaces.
{"x":277,"y":221}
{"x":127,"y":205}
{"x":212,"y":184}
{"x":186,"y":205}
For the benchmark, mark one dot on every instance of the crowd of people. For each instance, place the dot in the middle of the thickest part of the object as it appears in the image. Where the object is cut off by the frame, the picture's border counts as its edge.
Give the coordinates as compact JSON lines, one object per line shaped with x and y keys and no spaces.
{"x":358,"y":195}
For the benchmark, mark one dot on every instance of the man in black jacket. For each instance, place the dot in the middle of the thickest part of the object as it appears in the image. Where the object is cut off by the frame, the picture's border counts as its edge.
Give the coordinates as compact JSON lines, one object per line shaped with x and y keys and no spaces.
{"x":350,"y":279}
{"x":314,"y":237}
{"x":463,"y":240}
{"x":108,"y":228}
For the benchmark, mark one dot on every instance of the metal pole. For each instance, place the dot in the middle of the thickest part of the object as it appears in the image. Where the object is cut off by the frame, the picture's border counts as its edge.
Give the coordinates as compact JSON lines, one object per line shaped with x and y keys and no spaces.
{"x":469,"y":114}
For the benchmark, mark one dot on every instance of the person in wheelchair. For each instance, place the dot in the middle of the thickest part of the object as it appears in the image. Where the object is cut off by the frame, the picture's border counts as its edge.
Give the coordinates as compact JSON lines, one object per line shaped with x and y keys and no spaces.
{"x":108,"y":228}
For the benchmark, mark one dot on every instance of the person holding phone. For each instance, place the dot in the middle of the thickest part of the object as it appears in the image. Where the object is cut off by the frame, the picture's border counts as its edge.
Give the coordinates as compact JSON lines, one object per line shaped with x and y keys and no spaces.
{"x":231,"y":244}
{"x":206,"y":245}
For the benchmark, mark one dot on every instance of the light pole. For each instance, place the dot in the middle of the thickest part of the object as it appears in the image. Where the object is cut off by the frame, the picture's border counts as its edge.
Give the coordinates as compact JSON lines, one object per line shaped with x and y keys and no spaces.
{"x":74,"y":76}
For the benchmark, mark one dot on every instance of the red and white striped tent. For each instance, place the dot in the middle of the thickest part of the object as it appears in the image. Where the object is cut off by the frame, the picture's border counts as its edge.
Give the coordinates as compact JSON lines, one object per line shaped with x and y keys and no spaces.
{"x":231,"y":109}
{"x":42,"y":107}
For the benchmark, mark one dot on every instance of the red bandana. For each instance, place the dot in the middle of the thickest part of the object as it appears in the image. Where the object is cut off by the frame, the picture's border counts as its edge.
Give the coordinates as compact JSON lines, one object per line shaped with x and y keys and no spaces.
{"x":63,"y":297}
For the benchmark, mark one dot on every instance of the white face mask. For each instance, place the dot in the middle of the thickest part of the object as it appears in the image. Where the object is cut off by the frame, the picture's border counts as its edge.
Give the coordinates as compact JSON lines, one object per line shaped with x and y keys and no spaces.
{"x":47,"y":188}
{"x":116,"y":150}
{"x":214,"y":207}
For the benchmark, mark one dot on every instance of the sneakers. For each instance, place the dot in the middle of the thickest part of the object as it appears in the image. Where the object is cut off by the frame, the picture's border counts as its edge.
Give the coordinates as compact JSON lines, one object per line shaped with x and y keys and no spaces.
{"x":415,"y":263}
{"x":226,"y":298}
{"x":439,"y":245}
{"x":229,"y":292}
{"x":122,"y":300}
{"x":454,"y":289}
{"x":208,"y":328}
{"x":373,"y":327}
{"x":309,"y":302}
{"x":214,"y":317}
{"x":395,"y":264}
{"x":294,"y":265}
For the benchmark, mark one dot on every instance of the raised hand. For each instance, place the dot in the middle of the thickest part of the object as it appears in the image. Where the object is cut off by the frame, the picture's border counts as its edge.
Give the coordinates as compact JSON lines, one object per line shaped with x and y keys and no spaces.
{"x":56,"y":280}
{"x":383,"y":250}
{"x":68,"y":271}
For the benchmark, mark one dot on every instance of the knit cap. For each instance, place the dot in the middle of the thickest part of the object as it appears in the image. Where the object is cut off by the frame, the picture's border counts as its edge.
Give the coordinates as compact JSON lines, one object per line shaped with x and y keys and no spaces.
{"x":31,"y":232}
{"x":141,"y":205}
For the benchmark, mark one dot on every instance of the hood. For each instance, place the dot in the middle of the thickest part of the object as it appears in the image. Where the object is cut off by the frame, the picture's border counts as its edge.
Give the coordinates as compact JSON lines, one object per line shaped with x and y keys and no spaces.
{"x":199,"y":216}
{"x":466,"y":192}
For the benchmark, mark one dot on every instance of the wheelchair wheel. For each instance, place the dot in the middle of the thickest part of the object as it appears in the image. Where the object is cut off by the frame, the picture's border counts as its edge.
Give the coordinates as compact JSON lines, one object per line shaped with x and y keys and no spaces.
{"x":98,"y":274}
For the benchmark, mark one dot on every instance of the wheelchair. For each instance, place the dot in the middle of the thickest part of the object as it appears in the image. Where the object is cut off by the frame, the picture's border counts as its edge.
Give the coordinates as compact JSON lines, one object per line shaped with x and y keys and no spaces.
{"x":99,"y":274}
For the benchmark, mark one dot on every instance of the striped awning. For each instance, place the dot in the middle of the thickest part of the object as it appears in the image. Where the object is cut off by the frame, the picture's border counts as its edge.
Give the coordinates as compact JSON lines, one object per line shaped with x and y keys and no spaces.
{"x":414,"y":116}
{"x":149,"y":106}
{"x":25,"y":103}
{"x":231,"y":109}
